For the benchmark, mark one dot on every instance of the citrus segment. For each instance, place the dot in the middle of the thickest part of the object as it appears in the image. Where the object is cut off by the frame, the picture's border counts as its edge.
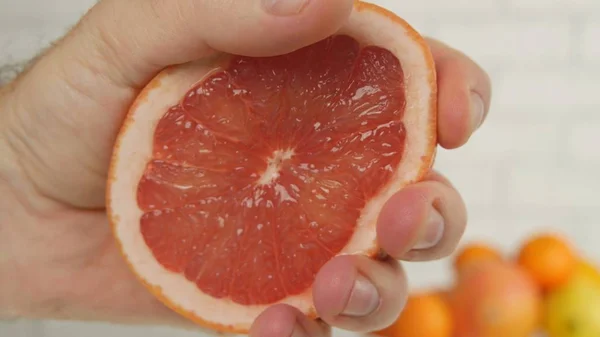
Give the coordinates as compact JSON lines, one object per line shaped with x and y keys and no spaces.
{"x":282,"y":182}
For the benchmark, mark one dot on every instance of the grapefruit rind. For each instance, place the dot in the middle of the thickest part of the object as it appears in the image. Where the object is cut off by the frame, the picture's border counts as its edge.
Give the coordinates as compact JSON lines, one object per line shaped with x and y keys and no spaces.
{"x":369,"y":24}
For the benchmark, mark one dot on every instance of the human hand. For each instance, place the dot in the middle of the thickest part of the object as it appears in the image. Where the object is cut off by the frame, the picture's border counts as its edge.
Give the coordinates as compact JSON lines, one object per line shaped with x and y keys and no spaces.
{"x":59,"y":121}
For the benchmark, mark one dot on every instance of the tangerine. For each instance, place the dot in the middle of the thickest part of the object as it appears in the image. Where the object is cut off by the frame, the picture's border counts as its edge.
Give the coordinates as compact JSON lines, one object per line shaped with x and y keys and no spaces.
{"x":474,"y":253}
{"x":425,"y":314}
{"x":549,"y":259}
{"x":495,"y":299}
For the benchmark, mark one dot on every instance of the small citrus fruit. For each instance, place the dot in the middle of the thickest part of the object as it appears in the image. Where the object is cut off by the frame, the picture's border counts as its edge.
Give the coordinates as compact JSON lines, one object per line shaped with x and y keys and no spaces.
{"x":573,"y":309}
{"x":443,"y":293}
{"x":549,"y":259}
{"x":474,"y":253}
{"x":495,"y":299}
{"x":425,"y":314}
{"x":235,"y":179}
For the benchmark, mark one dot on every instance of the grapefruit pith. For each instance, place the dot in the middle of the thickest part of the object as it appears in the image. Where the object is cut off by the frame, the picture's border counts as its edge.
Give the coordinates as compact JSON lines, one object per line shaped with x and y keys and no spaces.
{"x":235,"y":179}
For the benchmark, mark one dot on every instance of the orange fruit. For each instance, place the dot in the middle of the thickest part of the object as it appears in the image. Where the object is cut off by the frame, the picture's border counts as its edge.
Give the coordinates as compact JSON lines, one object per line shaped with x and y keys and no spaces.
{"x":474,"y":253}
{"x":495,"y":299}
{"x":549,"y":259}
{"x":425,"y":314}
{"x":443,"y":294}
{"x":235,"y":179}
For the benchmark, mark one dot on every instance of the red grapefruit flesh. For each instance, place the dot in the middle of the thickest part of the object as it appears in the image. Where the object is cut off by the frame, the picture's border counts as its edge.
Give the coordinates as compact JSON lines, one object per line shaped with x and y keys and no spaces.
{"x":255,"y":184}
{"x":236,"y":179}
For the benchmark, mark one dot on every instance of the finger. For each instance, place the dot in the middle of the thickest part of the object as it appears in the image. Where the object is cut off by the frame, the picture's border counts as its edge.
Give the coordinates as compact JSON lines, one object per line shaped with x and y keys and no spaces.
{"x":424,"y":221}
{"x":464,"y":95}
{"x":357,"y":293}
{"x":285,"y":321}
{"x":141,"y":37}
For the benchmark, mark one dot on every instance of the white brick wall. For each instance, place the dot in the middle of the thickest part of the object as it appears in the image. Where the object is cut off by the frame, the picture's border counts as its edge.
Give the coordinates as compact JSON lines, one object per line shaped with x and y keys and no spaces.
{"x":534,"y":164}
{"x":590,"y":45}
{"x":509,"y":41}
{"x":554,"y":5}
{"x":441,"y":8}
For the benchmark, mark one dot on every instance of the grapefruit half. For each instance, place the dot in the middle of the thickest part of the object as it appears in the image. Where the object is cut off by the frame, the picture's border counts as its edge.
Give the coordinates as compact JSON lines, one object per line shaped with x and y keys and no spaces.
{"x":235,"y":179}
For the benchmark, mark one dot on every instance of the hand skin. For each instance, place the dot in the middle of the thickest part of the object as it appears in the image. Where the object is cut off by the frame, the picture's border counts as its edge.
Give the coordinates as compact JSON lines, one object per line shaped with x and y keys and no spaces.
{"x":59,"y":119}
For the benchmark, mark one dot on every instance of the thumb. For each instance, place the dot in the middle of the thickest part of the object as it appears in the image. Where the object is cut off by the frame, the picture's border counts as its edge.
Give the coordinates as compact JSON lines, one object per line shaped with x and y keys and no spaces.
{"x":139,"y":37}
{"x":84,"y":85}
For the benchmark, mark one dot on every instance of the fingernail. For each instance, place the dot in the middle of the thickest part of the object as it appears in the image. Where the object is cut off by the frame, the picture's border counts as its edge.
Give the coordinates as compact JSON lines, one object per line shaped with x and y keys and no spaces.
{"x":433,"y":232}
{"x":477,"y":109}
{"x":364,"y":298}
{"x":284,"y":7}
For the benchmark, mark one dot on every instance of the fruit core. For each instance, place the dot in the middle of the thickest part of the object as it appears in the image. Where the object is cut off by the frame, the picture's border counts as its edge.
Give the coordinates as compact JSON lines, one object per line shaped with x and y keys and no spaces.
{"x":274,"y":166}
{"x":259,"y":174}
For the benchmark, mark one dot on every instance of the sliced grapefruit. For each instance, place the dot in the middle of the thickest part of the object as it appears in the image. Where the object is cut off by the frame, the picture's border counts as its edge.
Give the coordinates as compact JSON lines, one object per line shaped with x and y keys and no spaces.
{"x":235,"y":179}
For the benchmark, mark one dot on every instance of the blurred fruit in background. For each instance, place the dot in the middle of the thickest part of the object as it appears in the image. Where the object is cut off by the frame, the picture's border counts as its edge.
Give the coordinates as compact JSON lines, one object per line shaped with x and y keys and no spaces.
{"x":589,"y":270}
{"x":545,"y":287}
{"x":425,"y":314}
{"x":573,"y":309}
{"x":495,"y":299}
{"x":549,"y":259}
{"x":474,"y":253}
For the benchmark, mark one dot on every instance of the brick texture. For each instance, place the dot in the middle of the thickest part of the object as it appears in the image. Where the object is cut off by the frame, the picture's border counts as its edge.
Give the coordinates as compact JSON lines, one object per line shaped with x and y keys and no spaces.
{"x":590,"y":45}
{"x":572,"y":6}
{"x":533,"y":165}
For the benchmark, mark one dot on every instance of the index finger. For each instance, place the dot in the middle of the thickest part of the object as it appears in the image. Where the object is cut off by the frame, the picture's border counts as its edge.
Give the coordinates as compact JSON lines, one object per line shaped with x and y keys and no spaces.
{"x":464,"y":95}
